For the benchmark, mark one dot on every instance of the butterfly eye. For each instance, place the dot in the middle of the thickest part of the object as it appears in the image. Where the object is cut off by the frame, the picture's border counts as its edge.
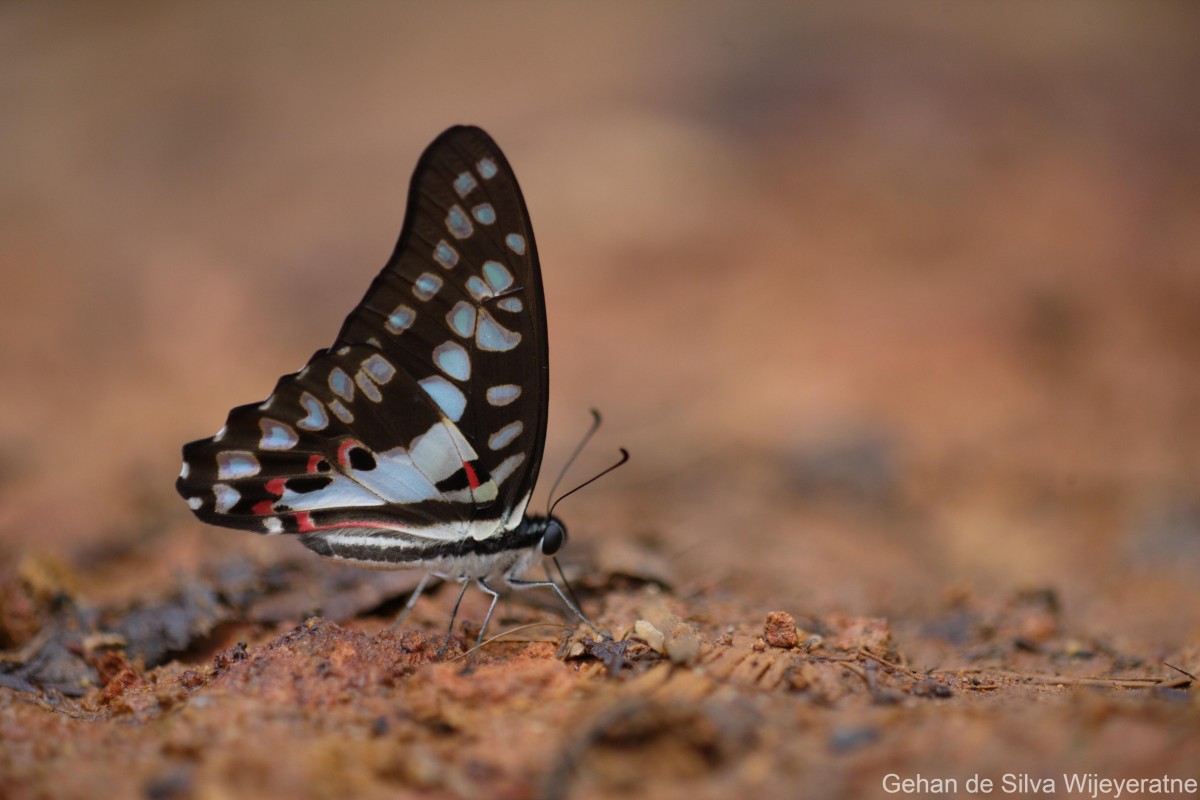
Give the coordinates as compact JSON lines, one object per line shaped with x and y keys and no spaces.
{"x":553,"y":538}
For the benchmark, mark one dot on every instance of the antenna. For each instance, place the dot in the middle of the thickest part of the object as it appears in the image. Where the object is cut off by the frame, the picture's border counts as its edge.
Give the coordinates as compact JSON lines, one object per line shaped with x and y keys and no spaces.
{"x":573,"y":602}
{"x":575,"y":454}
{"x":587,"y":437}
{"x":593,"y":479}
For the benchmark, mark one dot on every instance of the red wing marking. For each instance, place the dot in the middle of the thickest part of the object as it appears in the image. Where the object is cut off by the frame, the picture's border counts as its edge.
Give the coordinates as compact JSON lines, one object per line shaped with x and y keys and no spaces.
{"x":472,"y":478}
{"x":343,"y":448}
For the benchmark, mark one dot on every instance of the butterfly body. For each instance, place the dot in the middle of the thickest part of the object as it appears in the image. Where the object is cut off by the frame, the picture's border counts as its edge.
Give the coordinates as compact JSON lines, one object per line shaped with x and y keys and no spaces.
{"x":415,"y":440}
{"x":502,"y":553}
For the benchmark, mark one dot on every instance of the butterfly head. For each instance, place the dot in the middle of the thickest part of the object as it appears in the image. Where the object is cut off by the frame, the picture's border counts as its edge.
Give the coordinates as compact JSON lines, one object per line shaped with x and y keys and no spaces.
{"x":553,"y":535}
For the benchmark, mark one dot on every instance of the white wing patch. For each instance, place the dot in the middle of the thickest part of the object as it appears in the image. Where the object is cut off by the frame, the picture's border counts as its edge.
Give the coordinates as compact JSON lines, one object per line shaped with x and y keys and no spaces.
{"x":386,"y":539}
{"x":396,"y":479}
{"x":343,"y":491}
{"x":404,"y":476}
{"x":440,"y":451}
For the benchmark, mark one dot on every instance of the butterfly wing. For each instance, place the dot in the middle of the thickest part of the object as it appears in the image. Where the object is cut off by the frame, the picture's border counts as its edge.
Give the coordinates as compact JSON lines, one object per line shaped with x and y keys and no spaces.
{"x":468,"y":242}
{"x":427,"y":417}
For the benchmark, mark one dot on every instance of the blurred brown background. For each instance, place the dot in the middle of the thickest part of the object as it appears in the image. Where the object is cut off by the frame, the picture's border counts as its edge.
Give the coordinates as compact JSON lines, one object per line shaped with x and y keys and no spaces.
{"x":889,"y":302}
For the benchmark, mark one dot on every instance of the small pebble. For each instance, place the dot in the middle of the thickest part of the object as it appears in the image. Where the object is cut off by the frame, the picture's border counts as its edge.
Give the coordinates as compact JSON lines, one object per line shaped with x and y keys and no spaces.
{"x":649,"y":634}
{"x":780,"y":630}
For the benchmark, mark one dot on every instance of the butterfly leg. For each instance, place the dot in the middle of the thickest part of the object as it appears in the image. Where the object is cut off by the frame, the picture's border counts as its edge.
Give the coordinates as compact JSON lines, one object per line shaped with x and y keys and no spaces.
{"x":453,"y":616}
{"x":495,"y":597}
{"x":516,"y":583}
{"x":412,"y":601}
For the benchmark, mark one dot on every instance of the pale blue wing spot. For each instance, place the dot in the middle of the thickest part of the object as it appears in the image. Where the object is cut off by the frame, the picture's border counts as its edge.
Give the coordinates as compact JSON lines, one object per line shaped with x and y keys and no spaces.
{"x":449,"y":399}
{"x":505,"y":436}
{"x":507,"y":467}
{"x":503,"y":394}
{"x":368,"y":388}
{"x":317,"y":419}
{"x":342,"y":491}
{"x":426,"y":286}
{"x":460,"y":443}
{"x":487,"y":168}
{"x":461,"y":319}
{"x":478,"y":289}
{"x":484,"y":214}
{"x":340,"y":383}
{"x":516,"y":243}
{"x":497,"y":275}
{"x":464,"y":183}
{"x":226,"y":497}
{"x":457,"y":223}
{"x":379,"y":368}
{"x":185,"y":471}
{"x":276,"y":435}
{"x":512,"y":304}
{"x":396,"y":479}
{"x":437,"y":454}
{"x":234,"y":464}
{"x":195,"y":503}
{"x":452,"y":359}
{"x":445,"y":255}
{"x":340,"y":411}
{"x":273,"y":525}
{"x":491,"y":335}
{"x":401,"y":319}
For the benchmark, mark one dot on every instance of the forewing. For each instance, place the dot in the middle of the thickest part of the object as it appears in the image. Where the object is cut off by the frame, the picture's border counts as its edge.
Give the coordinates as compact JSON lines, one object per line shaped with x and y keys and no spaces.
{"x":460,"y":307}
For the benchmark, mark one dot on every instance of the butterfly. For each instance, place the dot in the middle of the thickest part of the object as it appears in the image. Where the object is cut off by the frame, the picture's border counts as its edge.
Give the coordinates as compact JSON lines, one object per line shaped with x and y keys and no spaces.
{"x":415,"y":440}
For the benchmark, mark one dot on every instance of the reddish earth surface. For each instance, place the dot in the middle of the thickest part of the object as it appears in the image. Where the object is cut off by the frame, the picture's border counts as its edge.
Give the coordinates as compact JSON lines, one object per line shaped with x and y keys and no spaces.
{"x":897,"y":309}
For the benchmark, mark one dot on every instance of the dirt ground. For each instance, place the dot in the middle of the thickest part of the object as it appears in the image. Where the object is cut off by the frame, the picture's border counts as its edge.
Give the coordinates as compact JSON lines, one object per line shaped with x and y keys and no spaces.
{"x":895,"y":305}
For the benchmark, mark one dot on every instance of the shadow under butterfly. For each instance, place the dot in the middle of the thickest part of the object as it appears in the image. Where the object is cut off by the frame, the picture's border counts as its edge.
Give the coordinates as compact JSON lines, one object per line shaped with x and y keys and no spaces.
{"x":416,"y":439}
